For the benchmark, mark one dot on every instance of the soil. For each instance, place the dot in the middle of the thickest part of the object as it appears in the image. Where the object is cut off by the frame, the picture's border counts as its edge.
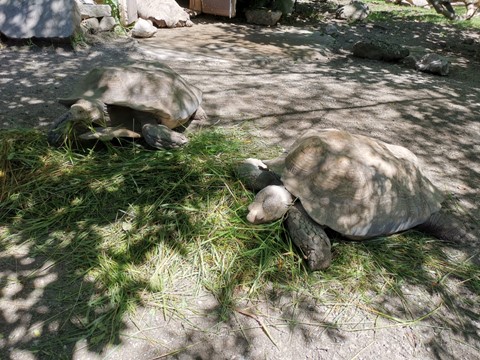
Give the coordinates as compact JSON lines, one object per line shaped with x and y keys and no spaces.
{"x":277,"y":83}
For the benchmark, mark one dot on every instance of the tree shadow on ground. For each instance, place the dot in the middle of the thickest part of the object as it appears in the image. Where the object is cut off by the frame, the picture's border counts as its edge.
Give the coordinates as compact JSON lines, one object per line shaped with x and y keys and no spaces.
{"x":50,"y":296}
{"x":51,"y":301}
{"x":434,"y":117}
{"x":408,"y":305}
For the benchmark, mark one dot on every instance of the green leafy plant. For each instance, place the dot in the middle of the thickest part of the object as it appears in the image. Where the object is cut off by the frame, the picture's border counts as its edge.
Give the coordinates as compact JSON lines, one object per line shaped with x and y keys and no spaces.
{"x":115,"y":9}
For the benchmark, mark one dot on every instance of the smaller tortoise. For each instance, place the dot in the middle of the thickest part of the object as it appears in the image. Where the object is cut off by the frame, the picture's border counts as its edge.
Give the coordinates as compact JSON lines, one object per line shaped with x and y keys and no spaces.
{"x":140,"y":100}
{"x":352,"y":184}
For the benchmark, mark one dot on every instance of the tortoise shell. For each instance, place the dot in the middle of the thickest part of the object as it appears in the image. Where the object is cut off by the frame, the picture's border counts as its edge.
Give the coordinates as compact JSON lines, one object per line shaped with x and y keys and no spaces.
{"x":358,"y":186}
{"x":153,"y":89}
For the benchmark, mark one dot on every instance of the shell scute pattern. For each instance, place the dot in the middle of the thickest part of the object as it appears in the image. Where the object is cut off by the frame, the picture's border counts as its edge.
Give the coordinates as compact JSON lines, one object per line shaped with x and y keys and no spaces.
{"x":358,"y":186}
{"x":152,"y":88}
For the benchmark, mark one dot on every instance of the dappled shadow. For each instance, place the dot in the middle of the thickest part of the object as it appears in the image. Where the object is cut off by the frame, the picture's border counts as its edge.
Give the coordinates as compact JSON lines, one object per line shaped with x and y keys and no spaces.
{"x":278,"y":83}
{"x":432,"y":116}
{"x":419,"y":296}
{"x":435,"y":117}
{"x":34,"y":76}
{"x":52,"y":20}
{"x":49,"y":300}
{"x":412,"y":311}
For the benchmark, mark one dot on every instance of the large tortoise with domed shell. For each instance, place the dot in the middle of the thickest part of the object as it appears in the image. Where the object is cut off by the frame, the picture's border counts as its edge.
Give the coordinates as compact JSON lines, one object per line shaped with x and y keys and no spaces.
{"x":353,"y":184}
{"x":146,"y":100}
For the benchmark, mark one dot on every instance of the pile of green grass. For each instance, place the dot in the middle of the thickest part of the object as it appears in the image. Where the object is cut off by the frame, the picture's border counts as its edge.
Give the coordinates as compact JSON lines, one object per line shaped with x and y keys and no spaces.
{"x":311,"y":13}
{"x":382,"y":11}
{"x":126,"y":226}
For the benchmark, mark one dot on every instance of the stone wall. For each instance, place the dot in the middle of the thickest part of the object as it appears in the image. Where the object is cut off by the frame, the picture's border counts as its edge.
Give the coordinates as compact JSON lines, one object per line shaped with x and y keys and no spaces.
{"x":53,"y":19}
{"x":39,"y":18}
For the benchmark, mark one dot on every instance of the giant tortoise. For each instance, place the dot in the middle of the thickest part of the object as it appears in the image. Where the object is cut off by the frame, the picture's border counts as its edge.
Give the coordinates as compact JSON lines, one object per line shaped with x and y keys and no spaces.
{"x":130,"y":101}
{"x":355,"y":185}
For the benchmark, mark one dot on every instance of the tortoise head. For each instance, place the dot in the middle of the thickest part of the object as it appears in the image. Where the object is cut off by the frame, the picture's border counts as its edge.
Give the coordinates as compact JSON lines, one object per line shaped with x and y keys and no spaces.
{"x":270,"y":204}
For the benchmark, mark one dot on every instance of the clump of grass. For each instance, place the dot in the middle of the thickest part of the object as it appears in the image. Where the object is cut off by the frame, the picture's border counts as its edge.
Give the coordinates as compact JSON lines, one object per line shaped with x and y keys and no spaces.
{"x":387,"y":12}
{"x":127,"y":226}
{"x":132,"y":223}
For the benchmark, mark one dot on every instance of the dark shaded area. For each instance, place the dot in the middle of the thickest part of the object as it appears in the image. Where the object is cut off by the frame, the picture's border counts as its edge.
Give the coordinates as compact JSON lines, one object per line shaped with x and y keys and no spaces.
{"x":437,"y":118}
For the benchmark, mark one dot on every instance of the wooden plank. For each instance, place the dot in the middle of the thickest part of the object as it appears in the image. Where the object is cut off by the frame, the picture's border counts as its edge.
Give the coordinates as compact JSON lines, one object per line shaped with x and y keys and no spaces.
{"x":219,"y":7}
{"x":195,"y":5}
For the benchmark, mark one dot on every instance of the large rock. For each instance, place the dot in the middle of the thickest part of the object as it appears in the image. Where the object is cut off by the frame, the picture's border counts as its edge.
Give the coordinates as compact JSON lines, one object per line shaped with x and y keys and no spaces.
{"x":433,"y":63}
{"x":93,"y":10}
{"x":285,"y":6}
{"x":39,"y":18}
{"x":143,"y":29}
{"x":90,"y":25}
{"x":107,"y":23}
{"x":263,"y":16}
{"x":379,"y":50}
{"x":163,"y":13}
{"x":354,"y":11}
{"x":428,"y":62}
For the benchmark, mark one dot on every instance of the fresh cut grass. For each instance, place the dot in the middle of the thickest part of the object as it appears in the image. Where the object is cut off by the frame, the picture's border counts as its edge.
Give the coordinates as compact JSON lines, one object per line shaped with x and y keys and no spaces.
{"x":383,"y":11}
{"x":122,"y":226}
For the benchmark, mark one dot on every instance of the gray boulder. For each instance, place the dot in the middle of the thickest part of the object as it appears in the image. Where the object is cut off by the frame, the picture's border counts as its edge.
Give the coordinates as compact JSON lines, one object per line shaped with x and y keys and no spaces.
{"x":379,"y":50}
{"x":40,"y":19}
{"x":93,"y":10}
{"x":163,"y":13}
{"x":285,"y":6}
{"x":107,"y":23}
{"x":354,"y":11}
{"x":143,"y":29}
{"x":263,"y":16}
{"x":90,"y":25}
{"x":430,"y":63}
{"x":331,"y":30}
{"x":433,"y":63}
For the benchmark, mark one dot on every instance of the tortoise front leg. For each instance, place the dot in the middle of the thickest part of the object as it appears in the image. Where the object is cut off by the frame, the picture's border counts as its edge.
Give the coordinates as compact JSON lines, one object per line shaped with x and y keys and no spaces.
{"x":254,"y":174}
{"x":60,"y":129}
{"x":66,"y":127}
{"x":309,"y":237}
{"x":161,"y":137}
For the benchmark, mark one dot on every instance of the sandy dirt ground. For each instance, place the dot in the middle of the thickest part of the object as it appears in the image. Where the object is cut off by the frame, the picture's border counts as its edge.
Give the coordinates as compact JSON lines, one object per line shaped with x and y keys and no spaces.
{"x":277,"y":83}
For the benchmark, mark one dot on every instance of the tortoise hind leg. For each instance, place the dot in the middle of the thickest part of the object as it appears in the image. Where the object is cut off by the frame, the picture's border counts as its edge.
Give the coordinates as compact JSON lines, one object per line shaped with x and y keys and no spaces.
{"x":310,"y":237}
{"x":446,"y":226}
